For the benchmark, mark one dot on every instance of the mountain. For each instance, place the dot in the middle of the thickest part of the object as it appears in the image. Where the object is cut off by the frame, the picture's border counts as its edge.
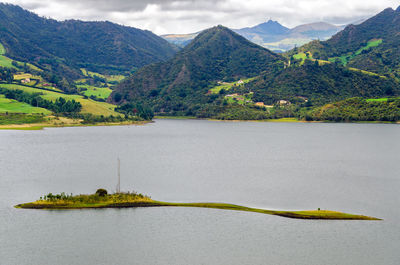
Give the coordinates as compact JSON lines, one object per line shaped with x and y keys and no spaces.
{"x":73,"y":44}
{"x":276,"y":37}
{"x":216,"y":54}
{"x":373,"y":45}
{"x":271,"y":31}
{"x":273,"y":35}
{"x":318,"y":30}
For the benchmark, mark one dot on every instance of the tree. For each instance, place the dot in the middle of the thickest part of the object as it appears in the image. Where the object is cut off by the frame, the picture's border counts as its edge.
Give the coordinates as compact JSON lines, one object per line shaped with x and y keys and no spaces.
{"x":101,"y":192}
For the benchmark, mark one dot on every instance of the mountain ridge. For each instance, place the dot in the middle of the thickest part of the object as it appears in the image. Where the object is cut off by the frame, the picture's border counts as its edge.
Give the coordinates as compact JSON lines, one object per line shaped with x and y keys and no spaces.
{"x":29,"y":37}
{"x":272,"y":35}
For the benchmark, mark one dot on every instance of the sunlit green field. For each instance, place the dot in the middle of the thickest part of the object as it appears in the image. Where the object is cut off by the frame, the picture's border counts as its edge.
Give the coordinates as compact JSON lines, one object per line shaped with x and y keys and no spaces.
{"x":88,"y":105}
{"x":109,"y":78}
{"x":379,"y":99}
{"x":100,"y":92}
{"x":344,"y":59}
{"x":13,"y":106}
{"x":2,"y":49}
{"x":6,"y":62}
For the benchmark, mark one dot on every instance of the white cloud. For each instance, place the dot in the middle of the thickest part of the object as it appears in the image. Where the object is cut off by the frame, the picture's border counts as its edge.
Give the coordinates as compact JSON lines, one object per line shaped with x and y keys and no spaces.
{"x":185,"y":16}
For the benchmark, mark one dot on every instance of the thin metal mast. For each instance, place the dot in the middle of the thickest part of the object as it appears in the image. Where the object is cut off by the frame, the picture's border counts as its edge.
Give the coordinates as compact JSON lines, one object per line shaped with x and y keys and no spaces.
{"x":119,"y":176}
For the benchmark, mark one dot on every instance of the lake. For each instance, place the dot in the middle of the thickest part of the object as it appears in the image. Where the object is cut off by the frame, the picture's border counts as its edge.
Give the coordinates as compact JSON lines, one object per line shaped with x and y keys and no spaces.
{"x":345,"y":167}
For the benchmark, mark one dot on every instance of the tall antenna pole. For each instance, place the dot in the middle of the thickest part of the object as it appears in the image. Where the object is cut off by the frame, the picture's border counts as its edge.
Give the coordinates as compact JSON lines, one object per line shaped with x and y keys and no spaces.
{"x":119,"y":176}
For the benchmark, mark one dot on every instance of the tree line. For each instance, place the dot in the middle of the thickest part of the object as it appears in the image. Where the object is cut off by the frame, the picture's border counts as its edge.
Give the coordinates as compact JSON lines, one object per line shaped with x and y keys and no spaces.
{"x":61,"y":105}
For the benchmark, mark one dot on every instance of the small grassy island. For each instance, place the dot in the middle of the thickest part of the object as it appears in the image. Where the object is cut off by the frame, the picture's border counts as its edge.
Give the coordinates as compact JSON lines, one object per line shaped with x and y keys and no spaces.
{"x":101,"y":199}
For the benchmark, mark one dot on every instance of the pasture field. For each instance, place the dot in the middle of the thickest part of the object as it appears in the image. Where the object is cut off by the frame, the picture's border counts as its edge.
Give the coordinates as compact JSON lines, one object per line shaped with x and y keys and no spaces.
{"x":344,"y":59}
{"x":13,"y":106}
{"x":2,"y":49}
{"x":114,"y":78}
{"x":88,"y":105}
{"x":22,"y":76}
{"x":371,"y":44}
{"x":6,"y":62}
{"x":109,"y":78}
{"x":377,"y":99}
{"x":100,"y":92}
{"x":300,"y":56}
{"x":228,"y":86}
{"x":380,"y":99}
{"x":366,"y":72}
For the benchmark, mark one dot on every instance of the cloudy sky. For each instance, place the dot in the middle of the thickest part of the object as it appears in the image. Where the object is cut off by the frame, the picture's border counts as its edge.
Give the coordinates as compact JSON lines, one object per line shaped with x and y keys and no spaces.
{"x":186,"y":16}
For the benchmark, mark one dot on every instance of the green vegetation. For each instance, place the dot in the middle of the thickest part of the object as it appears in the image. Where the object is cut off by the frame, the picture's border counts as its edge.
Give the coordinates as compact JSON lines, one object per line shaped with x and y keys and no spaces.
{"x":356,"y":109}
{"x":13,"y":106}
{"x":60,"y":105}
{"x":319,"y":84}
{"x":2,"y":49}
{"x":180,"y":86}
{"x":344,"y":59}
{"x":139,"y":110}
{"x":22,"y":76}
{"x":62,"y":48}
{"x":88,"y":106}
{"x":227,"y":86}
{"x":370,"y":44}
{"x":123,"y":200}
{"x":302,"y":56}
{"x":11,"y":119}
{"x":6,"y":62}
{"x":96,"y":92}
{"x":377,"y":99}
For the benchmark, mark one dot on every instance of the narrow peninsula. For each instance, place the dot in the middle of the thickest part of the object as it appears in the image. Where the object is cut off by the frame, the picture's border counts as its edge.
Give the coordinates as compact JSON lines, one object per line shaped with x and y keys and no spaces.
{"x":101,"y":199}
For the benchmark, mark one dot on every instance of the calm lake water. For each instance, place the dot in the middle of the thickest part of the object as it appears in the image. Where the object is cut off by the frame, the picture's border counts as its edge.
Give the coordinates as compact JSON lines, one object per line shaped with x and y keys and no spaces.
{"x":347,"y":167}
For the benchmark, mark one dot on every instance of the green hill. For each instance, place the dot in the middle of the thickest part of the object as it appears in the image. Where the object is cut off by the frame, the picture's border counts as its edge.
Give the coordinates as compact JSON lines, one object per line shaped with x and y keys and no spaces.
{"x":373,"y":45}
{"x":216,"y":54}
{"x":320,"y":84}
{"x":65,"y":46}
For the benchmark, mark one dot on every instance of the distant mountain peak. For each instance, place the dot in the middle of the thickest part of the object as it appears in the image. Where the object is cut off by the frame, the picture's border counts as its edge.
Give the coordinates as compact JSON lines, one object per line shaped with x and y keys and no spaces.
{"x":270,"y":21}
{"x":270,"y":27}
{"x":398,"y":9}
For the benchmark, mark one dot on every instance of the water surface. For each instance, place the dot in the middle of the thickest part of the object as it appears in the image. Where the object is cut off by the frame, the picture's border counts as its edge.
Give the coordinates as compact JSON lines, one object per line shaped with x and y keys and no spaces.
{"x":347,"y":167}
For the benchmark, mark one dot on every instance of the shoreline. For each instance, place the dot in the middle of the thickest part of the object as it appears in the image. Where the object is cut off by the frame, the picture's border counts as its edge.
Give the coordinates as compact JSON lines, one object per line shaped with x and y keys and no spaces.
{"x":77,"y":123}
{"x":281,"y":120}
{"x":41,"y":126}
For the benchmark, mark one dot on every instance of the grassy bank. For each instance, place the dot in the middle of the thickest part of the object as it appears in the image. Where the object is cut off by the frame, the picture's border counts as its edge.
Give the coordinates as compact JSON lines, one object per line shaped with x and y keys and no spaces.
{"x":27,"y":122}
{"x":132,"y":200}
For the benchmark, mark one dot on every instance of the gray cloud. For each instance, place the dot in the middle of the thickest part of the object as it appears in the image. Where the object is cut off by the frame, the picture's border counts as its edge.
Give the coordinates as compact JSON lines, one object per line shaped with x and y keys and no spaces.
{"x":184,"y":16}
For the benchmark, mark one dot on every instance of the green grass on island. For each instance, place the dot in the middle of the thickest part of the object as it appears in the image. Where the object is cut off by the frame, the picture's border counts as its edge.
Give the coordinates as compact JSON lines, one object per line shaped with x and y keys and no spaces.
{"x":101,"y":199}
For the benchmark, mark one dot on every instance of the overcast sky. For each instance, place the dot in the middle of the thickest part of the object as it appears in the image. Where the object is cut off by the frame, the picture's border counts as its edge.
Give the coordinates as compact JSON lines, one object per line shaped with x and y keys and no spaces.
{"x":186,"y":16}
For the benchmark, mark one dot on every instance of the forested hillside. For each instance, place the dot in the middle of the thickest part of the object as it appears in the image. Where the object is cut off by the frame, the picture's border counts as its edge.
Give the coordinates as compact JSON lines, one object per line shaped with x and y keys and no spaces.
{"x":182,"y":83}
{"x":66,"y":46}
{"x":373,"y":45}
